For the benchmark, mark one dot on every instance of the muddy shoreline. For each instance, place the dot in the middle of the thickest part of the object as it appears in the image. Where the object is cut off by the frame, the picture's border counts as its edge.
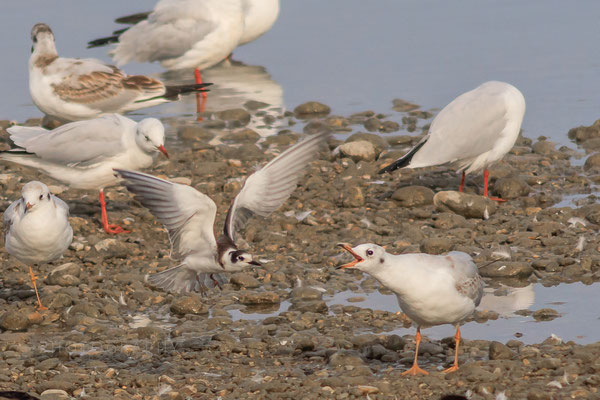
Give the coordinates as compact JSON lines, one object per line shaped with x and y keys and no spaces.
{"x":109,"y":335}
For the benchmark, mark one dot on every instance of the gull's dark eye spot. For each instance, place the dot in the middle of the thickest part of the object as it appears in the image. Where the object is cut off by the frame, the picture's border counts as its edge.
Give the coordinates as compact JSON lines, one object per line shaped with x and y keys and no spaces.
{"x":48,"y":196}
{"x":41,"y":197}
{"x":147,"y":138}
{"x":369,"y":252}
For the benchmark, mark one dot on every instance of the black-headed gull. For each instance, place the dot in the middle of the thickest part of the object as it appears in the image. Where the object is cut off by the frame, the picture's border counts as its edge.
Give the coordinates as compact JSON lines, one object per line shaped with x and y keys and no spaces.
{"x":181,"y":34}
{"x":189,"y":216}
{"x":36,"y":228}
{"x":431,"y":289}
{"x":83,"y":154}
{"x":475,"y":130}
{"x":74,"y":89}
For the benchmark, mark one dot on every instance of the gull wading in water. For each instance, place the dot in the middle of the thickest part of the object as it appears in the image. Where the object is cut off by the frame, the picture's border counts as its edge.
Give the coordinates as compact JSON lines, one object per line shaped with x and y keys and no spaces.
{"x":431,"y":289}
{"x":73,"y":89}
{"x":180,"y":34}
{"x":474,"y":131}
{"x":189,"y":217}
{"x":83,"y":154}
{"x":36,"y":228}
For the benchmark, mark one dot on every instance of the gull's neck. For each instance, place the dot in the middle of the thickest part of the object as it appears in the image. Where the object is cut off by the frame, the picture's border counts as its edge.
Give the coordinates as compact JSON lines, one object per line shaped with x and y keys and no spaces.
{"x":44,"y":54}
{"x":224,"y":245}
{"x":393,"y":273}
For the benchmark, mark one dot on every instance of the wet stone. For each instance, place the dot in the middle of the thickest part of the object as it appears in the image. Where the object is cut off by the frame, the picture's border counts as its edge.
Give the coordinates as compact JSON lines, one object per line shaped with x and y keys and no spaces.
{"x":545,"y":314}
{"x":16,"y":321}
{"x":259,"y":298}
{"x":499,"y":351}
{"x":254,"y":105}
{"x":543,"y":147}
{"x":112,"y":248}
{"x":189,"y":305}
{"x":507,"y":269}
{"x":195,"y":132}
{"x":352,"y":197}
{"x":449,"y":221}
{"x":344,"y":358}
{"x":311,"y":109}
{"x":316,"y":306}
{"x":413,"y":196}
{"x":54,"y":394}
{"x":467,"y":205}
{"x":377,"y":141}
{"x":243,"y":279}
{"x":592,"y":162}
{"x":511,"y":188}
{"x":306,"y":293}
{"x":235,"y":118}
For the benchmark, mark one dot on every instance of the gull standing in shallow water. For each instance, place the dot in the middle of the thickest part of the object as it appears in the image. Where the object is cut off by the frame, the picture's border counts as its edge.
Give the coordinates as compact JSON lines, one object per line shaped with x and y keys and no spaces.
{"x":431,"y":289}
{"x":36,"y":228}
{"x":189,"y":216}
{"x":73,"y":89}
{"x":83,"y":154}
{"x":474,"y":131}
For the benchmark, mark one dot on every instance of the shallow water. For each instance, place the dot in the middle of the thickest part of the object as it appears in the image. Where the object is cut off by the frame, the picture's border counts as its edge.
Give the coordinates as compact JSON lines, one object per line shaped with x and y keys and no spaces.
{"x":577,"y":304}
{"x":356,"y":55}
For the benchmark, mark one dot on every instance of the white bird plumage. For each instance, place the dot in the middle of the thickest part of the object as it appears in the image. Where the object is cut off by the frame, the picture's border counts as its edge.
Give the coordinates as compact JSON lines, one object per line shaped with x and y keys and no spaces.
{"x":431,"y":289}
{"x":82,"y":154}
{"x":189,"y":216}
{"x":36,"y":227}
{"x":474,"y":131}
{"x":74,"y":89}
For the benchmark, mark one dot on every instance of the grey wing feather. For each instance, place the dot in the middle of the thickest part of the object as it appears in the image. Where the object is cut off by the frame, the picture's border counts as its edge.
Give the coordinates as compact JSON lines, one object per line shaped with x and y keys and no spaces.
{"x":267,"y":189}
{"x":187,"y":214}
{"x":468,"y":280}
{"x":179,"y":279}
{"x":13,"y":211}
{"x":75,"y":143}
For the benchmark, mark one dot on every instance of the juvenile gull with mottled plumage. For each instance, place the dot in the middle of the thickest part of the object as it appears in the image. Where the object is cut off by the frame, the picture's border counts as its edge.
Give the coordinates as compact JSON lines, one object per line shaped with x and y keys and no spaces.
{"x":189,"y":216}
{"x":431,"y":289}
{"x":73,"y":89}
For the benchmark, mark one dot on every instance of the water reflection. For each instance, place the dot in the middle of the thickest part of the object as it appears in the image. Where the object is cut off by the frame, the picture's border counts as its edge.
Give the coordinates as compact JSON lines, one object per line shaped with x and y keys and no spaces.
{"x":234,"y":86}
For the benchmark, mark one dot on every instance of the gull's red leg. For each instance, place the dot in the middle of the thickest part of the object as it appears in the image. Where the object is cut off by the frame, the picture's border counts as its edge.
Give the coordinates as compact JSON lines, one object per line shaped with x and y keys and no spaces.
{"x":486,"y":177}
{"x":462,"y":182}
{"x":199,"y":80}
{"x":108,"y":228}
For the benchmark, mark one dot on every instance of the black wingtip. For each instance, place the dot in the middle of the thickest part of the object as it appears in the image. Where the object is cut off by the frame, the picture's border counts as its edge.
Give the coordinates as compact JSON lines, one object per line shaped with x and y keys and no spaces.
{"x":133,"y":18}
{"x":103,"y":41}
{"x":404,"y":160}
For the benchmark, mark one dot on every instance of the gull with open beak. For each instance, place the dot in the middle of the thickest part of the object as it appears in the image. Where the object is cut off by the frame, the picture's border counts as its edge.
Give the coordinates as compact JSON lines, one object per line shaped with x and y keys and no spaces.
{"x":83,"y":154}
{"x":36,"y":228}
{"x":431,"y":289}
{"x":189,"y":217}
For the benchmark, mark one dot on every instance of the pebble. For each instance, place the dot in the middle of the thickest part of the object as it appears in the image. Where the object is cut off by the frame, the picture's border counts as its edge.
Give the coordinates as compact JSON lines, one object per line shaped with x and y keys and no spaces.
{"x":413,"y":196}
{"x":244,"y":280}
{"x":358,"y":151}
{"x":65,"y":275}
{"x":256,"y":298}
{"x":467,"y":205}
{"x":311,"y":109}
{"x":190,"y":304}
{"x":499,"y":351}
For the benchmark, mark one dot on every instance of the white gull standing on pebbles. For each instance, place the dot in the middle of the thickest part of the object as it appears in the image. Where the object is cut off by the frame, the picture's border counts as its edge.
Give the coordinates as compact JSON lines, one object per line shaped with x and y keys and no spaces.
{"x":474,"y":131}
{"x":83,"y":154}
{"x":189,"y":216}
{"x":431,"y":289}
{"x":36,"y":228}
{"x":74,"y":89}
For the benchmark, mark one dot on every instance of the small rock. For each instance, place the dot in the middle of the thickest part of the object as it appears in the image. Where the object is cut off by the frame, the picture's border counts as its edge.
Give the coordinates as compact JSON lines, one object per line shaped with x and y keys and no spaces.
{"x":254,"y":105}
{"x":235,"y":118}
{"x":315,"y":306}
{"x":112,"y":248}
{"x":377,"y":141}
{"x":311,"y":109}
{"x":353,"y":197}
{"x":511,"y":188}
{"x":343,"y":358}
{"x":499,"y":351}
{"x":592,"y":162}
{"x":545,"y":314}
{"x":259,"y":298}
{"x":436,"y":245}
{"x":16,"y":321}
{"x":306,"y":293}
{"x":358,"y":151}
{"x":189,"y":305}
{"x":195,"y":132}
{"x":413,"y":196}
{"x":54,"y":394}
{"x":543,"y":147}
{"x":507,"y":269}
{"x":243,"y":279}
{"x":467,"y":205}
{"x":65,"y":275}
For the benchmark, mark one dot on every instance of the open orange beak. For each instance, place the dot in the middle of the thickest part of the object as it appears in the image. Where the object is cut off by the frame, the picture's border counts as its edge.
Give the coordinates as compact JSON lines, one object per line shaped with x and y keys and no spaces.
{"x":163,"y":150}
{"x":356,"y":260}
{"x":28,"y":206}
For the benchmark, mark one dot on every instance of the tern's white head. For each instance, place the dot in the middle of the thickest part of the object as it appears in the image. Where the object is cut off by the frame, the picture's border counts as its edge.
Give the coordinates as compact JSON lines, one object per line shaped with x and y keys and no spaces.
{"x":43,"y":40}
{"x":367,"y":257}
{"x":237,"y":260}
{"x":35,"y":194}
{"x":150,"y":136}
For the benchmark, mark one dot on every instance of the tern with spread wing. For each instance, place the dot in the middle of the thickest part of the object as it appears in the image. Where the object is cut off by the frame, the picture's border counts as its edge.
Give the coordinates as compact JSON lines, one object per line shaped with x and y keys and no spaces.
{"x":82,"y":154}
{"x":189,"y":216}
{"x":36,"y":228}
{"x":73,"y":89}
{"x":474,"y":131}
{"x":431,"y":289}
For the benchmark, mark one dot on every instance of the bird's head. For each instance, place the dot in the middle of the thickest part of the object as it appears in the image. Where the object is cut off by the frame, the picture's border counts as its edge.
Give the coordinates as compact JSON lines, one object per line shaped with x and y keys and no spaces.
{"x":366,"y":256}
{"x":35,"y":194}
{"x":150,"y":136}
{"x":42,"y":38}
{"x":234,"y":260}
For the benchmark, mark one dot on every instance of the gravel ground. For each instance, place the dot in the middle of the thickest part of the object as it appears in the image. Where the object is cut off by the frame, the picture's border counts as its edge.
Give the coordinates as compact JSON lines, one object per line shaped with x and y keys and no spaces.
{"x":108,"y":335}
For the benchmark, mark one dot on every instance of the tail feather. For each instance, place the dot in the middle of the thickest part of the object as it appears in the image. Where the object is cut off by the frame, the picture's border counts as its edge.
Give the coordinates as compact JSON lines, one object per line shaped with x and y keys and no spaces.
{"x":179,"y":279}
{"x":405,"y":159}
{"x":103,"y":41}
{"x":133,"y":18}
